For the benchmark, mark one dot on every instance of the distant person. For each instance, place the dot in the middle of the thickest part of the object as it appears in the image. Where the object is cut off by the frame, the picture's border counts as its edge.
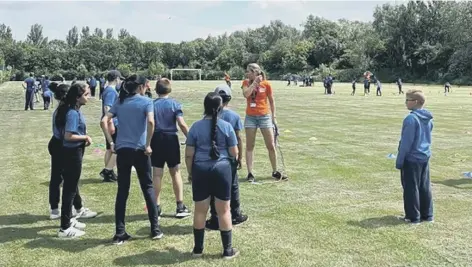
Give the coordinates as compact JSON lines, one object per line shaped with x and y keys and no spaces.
{"x":379,"y":88}
{"x":30,"y":86}
{"x":211,"y":143}
{"x":102,"y":86}
{"x":366,"y":86}
{"x":166,"y":146}
{"x":47,"y":94}
{"x":414,"y":152}
{"x":329,"y":84}
{"x":228,"y":79}
{"x":447,"y":88}
{"x":353,"y":87}
{"x":399,"y":84}
{"x":92,"y":82}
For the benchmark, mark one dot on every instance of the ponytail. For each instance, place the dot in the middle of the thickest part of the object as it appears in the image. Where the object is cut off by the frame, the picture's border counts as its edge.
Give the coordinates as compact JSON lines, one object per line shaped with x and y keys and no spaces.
{"x":130,"y":86}
{"x":214,"y":153}
{"x":123,"y":93}
{"x":263,"y":75}
{"x":69,"y":101}
{"x":59,"y":90}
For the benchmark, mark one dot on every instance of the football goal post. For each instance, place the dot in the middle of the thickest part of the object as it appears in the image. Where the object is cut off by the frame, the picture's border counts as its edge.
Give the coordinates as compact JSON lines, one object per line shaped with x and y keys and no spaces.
{"x":199,"y":72}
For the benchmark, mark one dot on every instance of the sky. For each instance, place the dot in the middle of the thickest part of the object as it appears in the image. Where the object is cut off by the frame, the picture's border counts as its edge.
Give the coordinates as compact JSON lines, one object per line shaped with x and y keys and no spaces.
{"x":172,"y":21}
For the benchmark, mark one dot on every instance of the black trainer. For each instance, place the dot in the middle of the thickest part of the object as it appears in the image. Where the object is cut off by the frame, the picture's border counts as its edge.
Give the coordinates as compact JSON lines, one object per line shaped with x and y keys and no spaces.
{"x":120,"y":239}
{"x":212,"y":224}
{"x":182,"y":212}
{"x":250,"y":178}
{"x":231,"y":255}
{"x":157,"y":234}
{"x":239,"y":219}
{"x":278,"y":176}
{"x":108,"y":176}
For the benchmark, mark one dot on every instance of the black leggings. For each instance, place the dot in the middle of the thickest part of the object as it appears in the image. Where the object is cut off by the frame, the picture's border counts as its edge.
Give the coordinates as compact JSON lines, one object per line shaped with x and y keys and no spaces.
{"x":46,"y":101}
{"x":125,"y":159}
{"x":57,"y":169}
{"x":72,"y":169}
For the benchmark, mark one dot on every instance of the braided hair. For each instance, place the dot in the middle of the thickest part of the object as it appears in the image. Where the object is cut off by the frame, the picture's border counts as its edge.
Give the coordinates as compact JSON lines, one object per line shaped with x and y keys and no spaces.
{"x":212,"y":104}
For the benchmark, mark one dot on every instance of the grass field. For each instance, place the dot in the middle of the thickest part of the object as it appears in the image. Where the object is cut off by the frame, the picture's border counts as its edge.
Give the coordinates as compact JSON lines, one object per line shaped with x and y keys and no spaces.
{"x":338,"y":209}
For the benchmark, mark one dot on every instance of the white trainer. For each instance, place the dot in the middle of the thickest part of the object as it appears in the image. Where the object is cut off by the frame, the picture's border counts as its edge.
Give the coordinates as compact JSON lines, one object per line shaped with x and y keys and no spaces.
{"x":55,"y":214}
{"x":70,"y":232}
{"x":76,"y":224}
{"x":85,"y":213}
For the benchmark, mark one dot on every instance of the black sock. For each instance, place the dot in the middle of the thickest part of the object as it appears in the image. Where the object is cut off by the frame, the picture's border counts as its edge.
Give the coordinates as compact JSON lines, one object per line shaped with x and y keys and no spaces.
{"x":180,"y":205}
{"x":198,"y":236}
{"x":226,"y":238}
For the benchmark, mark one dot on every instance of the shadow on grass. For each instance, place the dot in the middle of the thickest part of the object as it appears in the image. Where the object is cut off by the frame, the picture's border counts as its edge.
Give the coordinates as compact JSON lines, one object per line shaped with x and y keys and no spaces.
{"x":23,"y":218}
{"x":374,"y":223}
{"x":83,"y":181}
{"x":166,"y":257}
{"x":69,"y":245}
{"x":168,"y":230}
{"x":11,"y":234}
{"x":456,"y":183}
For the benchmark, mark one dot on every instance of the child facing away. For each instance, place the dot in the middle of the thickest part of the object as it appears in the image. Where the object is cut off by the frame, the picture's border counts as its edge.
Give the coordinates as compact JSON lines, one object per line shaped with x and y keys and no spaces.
{"x":414,"y":152}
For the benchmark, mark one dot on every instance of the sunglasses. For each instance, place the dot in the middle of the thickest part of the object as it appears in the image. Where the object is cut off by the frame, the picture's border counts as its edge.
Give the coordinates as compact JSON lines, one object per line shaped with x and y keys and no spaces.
{"x":410,"y":100}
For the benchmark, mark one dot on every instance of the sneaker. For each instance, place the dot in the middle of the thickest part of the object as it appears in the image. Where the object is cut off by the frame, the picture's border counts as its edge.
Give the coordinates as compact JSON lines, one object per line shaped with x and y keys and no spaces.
{"x":402,"y":218}
{"x":114,"y":176}
{"x":182,"y":212}
{"x":278,"y":176}
{"x":70,"y":232}
{"x":239,"y":219}
{"x":428,"y":220}
{"x":233,"y":254}
{"x":86,"y":213}
{"x":157,"y":234}
{"x":76,"y":224}
{"x":55,"y":214}
{"x":197,"y":254}
{"x":250,"y":178}
{"x":212,"y":224}
{"x":120,"y":239}
{"x":108,"y":176}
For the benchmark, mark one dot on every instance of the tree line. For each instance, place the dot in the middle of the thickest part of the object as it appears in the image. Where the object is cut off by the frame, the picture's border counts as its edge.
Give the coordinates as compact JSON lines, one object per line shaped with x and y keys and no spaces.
{"x":417,"y":41}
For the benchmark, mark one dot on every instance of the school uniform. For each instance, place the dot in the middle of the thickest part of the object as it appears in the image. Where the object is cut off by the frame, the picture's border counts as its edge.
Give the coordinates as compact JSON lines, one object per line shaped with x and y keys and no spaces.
{"x":29,"y":94}
{"x":109,"y":97}
{"x":379,"y":89}
{"x":130,"y":146}
{"x":366,"y":86}
{"x":72,"y":154}
{"x":400,"y":84}
{"x":55,"y":148}
{"x":47,"y":94}
{"x":234,"y":120}
{"x":93,"y":85}
{"x":413,"y":161}
{"x":353,"y":87}
{"x":165,"y":141}
{"x":102,"y":87}
{"x":447,"y":87}
{"x":211,"y":177}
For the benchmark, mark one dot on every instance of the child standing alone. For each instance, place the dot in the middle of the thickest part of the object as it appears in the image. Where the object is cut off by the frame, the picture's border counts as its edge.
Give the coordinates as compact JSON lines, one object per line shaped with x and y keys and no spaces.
{"x":413,"y":160}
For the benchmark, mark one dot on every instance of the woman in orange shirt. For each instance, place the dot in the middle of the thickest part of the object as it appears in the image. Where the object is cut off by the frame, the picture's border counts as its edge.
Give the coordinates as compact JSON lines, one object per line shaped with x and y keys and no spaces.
{"x":258,"y":93}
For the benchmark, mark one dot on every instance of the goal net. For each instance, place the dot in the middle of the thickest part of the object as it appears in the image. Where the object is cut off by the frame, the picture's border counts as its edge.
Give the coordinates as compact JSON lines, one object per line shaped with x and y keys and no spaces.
{"x":186,"y":70}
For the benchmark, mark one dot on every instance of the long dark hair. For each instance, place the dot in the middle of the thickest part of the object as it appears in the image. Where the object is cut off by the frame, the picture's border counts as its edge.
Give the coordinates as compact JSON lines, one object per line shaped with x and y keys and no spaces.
{"x":69,"y":101}
{"x":212,"y":104}
{"x":130,"y":86}
{"x":59,"y":90}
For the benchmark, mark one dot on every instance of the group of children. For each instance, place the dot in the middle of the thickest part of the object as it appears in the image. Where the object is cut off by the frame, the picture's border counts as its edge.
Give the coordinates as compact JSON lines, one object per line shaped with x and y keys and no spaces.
{"x":147,"y":140}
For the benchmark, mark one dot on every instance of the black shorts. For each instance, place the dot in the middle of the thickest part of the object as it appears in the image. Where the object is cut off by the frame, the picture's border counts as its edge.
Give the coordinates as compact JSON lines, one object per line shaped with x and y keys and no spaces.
{"x":165,"y":149}
{"x":212,"y":179}
{"x":113,"y":136}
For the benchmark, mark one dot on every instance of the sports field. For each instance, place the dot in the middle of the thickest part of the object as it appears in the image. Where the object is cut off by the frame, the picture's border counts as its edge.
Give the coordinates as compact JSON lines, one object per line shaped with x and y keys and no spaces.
{"x":338,"y":209}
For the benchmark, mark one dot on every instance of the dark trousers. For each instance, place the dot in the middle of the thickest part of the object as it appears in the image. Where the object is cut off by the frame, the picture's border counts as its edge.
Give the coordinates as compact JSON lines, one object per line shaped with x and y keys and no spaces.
{"x":446,"y":89}
{"x":417,"y":197}
{"x":400,"y":91}
{"x":92,"y":90}
{"x":72,"y":162}
{"x":29,"y":99}
{"x":353,"y":90}
{"x":57,"y":169}
{"x":379,"y":92}
{"x":101,"y":92}
{"x":235,"y":202}
{"x":125,"y":160}
{"x":328,"y":89}
{"x":46,"y":101}
{"x":228,"y":83}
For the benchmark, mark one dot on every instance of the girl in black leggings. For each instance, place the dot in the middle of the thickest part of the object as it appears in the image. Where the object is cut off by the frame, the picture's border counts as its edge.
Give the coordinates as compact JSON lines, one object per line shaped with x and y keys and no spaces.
{"x":57,"y":169}
{"x":70,"y":119}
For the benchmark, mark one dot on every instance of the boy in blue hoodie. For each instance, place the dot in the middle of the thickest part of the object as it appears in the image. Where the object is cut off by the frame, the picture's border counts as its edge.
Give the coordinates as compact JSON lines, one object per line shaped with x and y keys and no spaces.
{"x":413,"y":159}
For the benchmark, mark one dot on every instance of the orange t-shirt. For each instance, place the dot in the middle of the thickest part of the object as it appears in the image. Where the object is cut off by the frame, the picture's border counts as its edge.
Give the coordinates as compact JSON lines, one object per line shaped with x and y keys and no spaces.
{"x":257,"y":102}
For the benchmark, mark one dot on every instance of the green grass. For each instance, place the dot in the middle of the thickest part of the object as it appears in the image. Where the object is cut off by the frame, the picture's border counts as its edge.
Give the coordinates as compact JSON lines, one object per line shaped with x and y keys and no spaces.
{"x":338,"y":209}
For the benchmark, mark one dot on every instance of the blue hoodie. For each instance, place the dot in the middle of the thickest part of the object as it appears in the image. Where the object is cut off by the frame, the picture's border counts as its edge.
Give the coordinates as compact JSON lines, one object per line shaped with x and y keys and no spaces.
{"x":415,"y":141}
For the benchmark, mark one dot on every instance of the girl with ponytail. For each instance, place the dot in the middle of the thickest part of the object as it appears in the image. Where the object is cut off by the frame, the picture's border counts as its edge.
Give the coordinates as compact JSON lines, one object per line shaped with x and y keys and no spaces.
{"x":211,"y":143}
{"x":57,"y":168}
{"x":70,"y":122}
{"x":133,"y":148}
